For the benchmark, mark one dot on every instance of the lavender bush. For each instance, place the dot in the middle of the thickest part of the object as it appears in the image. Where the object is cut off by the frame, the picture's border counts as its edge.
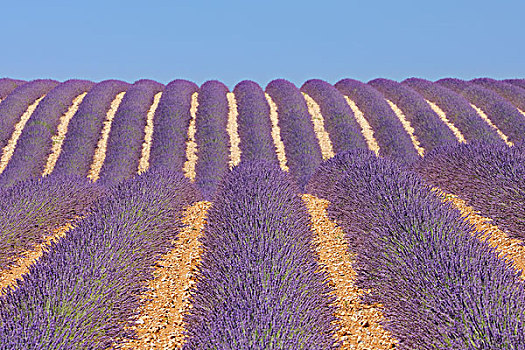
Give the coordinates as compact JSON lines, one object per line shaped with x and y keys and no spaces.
{"x":7,"y":86}
{"x":303,"y":153}
{"x":339,"y":121}
{"x":516,"y":82}
{"x":85,"y":128}
{"x":259,"y":284}
{"x":512,"y":93}
{"x":441,"y":287}
{"x":254,"y":124}
{"x":126,"y":136}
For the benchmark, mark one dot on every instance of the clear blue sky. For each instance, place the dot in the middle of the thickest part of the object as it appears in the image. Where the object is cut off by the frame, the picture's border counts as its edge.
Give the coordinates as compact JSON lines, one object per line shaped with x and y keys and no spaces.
{"x":262,"y":40}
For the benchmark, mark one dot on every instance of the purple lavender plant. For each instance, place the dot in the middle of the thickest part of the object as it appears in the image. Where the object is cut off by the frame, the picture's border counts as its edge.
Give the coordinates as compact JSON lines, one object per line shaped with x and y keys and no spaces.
{"x":339,"y":121}
{"x":512,"y":93}
{"x":255,"y":126}
{"x":35,"y":142}
{"x":126,"y":136}
{"x":84,"y":130}
{"x":172,"y":120}
{"x":84,"y":291}
{"x":441,"y":287}
{"x":391,"y":137}
{"x":303,"y":153}
{"x":259,"y":284}
{"x":456,"y":108}
{"x":429,"y":129}
{"x":211,"y":136}
{"x":500,"y":111}
{"x":516,"y":82}
{"x":7,"y":86}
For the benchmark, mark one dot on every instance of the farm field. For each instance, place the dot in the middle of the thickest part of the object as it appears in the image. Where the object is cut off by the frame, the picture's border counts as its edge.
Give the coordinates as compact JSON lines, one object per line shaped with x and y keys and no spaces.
{"x":355,"y":215}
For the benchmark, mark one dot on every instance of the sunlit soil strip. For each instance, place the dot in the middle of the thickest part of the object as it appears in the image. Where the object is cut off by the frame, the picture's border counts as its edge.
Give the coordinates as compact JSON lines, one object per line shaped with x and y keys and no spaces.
{"x":522,"y":112}
{"x":367,"y":131}
{"x":276,"y":134}
{"x":318,"y":121}
{"x":148,"y":134}
{"x":510,"y":249}
{"x":58,"y":139}
{"x":9,"y":149}
{"x":484,"y":116}
{"x":408,"y":127}
{"x":160,"y":325}
{"x":359,"y":323}
{"x":441,"y":114}
{"x":235,"y":151}
{"x":21,"y":267}
{"x":191,"y":145}
{"x":100,"y":152}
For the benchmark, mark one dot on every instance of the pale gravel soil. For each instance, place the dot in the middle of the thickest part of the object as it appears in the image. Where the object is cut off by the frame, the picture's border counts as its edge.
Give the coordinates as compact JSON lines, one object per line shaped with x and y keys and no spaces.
{"x":522,"y":112}
{"x":276,"y":133}
{"x":485,"y":117}
{"x":359,"y":323}
{"x":191,"y":145}
{"x":148,"y":134}
{"x":366,"y":129}
{"x":58,"y":139}
{"x":160,"y":325}
{"x":9,"y":149}
{"x":441,"y":114}
{"x":235,"y":151}
{"x":100,"y":151}
{"x":321,"y":133}
{"x":408,"y":127}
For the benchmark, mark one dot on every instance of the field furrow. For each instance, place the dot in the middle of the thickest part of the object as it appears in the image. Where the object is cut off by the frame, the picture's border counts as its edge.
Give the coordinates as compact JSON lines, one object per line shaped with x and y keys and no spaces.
{"x":148,"y":134}
{"x":487,"y":120}
{"x":514,"y":94}
{"x":276,"y":134}
{"x":442,"y":115}
{"x":191,"y":145}
{"x":317,"y":119}
{"x":366,"y":129}
{"x":232,"y":127}
{"x":408,"y":128}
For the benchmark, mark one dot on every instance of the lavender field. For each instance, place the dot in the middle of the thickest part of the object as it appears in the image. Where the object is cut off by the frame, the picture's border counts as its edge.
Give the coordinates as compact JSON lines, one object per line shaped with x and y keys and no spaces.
{"x":354,"y":215}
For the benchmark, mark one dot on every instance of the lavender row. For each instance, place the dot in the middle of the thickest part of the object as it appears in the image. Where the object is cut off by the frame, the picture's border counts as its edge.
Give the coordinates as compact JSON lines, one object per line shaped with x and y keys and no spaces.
{"x":172,"y":120}
{"x":339,"y":120}
{"x":85,"y":128}
{"x":211,"y":136}
{"x":429,"y":129}
{"x":517,"y":82}
{"x":259,"y":284}
{"x":17,"y":102}
{"x":303,"y":153}
{"x":254,"y":123}
{"x":7,"y":86}
{"x":514,"y":94}
{"x":441,"y":287}
{"x":124,"y":147}
{"x":34,"y":208}
{"x":391,"y":137}
{"x":34,"y":145}
{"x":457,"y":110}
{"x":491,"y":178}
{"x":500,"y":111}
{"x":84,"y":292}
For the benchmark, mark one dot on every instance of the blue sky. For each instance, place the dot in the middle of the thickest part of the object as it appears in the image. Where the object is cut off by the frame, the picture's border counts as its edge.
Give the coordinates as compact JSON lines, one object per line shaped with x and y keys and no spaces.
{"x":262,"y":40}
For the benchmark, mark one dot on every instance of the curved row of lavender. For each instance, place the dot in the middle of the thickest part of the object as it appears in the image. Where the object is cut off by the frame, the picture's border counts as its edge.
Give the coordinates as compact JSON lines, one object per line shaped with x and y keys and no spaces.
{"x":254,"y":123}
{"x":172,"y":119}
{"x":456,"y":108}
{"x":35,"y":143}
{"x":85,"y":127}
{"x":391,"y":137}
{"x":7,"y":86}
{"x":490,"y":178}
{"x":430,"y":130}
{"x":500,"y":111}
{"x":211,"y":136}
{"x":258,"y":283}
{"x":16,"y":103}
{"x":303,"y":153}
{"x":339,"y":121}
{"x":34,"y":208}
{"x":441,"y":287}
{"x":514,"y":94}
{"x":517,"y":82}
{"x":84,"y":292}
{"x":124,"y":147}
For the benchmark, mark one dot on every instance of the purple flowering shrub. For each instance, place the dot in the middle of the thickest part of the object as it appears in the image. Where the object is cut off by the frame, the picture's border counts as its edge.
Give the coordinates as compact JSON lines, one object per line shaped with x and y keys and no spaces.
{"x":516,"y":82}
{"x":441,"y":287}
{"x":85,"y":127}
{"x":7,"y":86}
{"x":258,"y":283}
{"x":339,"y":121}
{"x":512,"y":93}
{"x":84,"y":292}
{"x":303,"y":153}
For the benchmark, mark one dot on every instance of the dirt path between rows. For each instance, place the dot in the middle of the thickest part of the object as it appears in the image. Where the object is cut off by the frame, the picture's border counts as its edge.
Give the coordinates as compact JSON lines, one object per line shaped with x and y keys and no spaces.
{"x":276,"y":133}
{"x":148,"y":134}
{"x":407,"y":126}
{"x":322,"y":135}
{"x":441,"y":114}
{"x":191,"y":145}
{"x":235,"y":151}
